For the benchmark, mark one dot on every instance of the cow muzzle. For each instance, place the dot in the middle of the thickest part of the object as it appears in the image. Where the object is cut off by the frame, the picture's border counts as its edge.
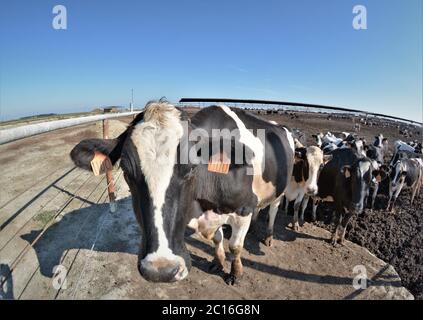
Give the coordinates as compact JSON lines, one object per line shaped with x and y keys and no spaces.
{"x":311,"y":190}
{"x":163,"y":269}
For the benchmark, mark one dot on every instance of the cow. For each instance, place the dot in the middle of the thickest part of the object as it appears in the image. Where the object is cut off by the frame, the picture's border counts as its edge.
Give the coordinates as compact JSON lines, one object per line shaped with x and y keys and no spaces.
{"x":402,"y":146}
{"x":303,"y":184}
{"x":327,"y":142}
{"x":169,"y":192}
{"x":404,"y":154}
{"x":345,"y":180}
{"x":376,"y":153}
{"x":406,"y":172}
{"x":378,"y":141}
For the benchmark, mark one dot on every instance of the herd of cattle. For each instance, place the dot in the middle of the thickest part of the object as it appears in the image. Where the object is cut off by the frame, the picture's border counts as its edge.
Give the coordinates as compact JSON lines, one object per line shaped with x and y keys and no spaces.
{"x":169,"y":194}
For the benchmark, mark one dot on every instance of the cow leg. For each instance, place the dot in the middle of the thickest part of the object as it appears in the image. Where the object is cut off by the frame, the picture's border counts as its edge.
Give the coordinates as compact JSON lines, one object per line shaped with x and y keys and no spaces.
{"x":339,"y":214}
{"x":273,"y":210}
{"x":304,"y":206}
{"x":239,"y":227}
{"x":315,"y":203}
{"x":218,"y":263}
{"x":343,"y":228}
{"x":414,"y":190}
{"x":374,"y":194}
{"x":297,"y":204}
{"x":397,"y":192}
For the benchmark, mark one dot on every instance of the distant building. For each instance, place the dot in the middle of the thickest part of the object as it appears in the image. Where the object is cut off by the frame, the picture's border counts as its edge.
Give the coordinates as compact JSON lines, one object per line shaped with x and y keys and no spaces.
{"x":113,"y":109}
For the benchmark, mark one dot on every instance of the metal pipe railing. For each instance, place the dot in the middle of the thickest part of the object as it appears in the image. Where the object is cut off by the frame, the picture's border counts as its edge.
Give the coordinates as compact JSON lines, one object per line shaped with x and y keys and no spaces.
{"x":13,"y":134}
{"x":21,"y":132}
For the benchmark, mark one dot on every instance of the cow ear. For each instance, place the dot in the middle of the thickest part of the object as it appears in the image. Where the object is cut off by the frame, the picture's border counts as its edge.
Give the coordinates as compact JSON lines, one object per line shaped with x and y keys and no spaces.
{"x":327,"y":158}
{"x":297,"y":156}
{"x":377,"y":174}
{"x":101,"y":163}
{"x":346,"y":171}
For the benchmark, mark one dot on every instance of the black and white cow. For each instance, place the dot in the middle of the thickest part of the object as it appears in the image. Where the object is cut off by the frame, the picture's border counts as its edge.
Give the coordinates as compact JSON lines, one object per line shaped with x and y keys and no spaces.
{"x":345,"y":180}
{"x":303,"y":184}
{"x":170,"y":190}
{"x":406,"y":172}
{"x":377,"y":150}
{"x":404,"y":154}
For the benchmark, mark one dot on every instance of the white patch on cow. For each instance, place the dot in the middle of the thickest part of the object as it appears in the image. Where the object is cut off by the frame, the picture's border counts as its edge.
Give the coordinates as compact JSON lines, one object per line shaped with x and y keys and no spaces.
{"x":156,"y":140}
{"x":248,"y":138}
{"x":364,"y":167}
{"x":290,"y":140}
{"x":273,"y":122}
{"x":293,"y":190}
{"x":264,"y":191}
{"x":325,"y":199}
{"x":315,"y":160}
{"x":209,"y":222}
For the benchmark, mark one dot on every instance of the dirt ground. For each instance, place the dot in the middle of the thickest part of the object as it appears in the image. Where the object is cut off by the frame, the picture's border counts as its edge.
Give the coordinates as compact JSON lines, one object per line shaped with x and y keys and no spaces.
{"x":98,"y":249}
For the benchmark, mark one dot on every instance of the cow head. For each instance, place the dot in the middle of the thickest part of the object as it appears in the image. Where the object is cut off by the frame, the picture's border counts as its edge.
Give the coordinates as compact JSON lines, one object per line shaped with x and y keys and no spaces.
{"x":398,"y":174}
{"x":149,"y":163}
{"x":378,"y":141}
{"x":358,"y":178}
{"x":318,"y":137}
{"x":308,"y":162}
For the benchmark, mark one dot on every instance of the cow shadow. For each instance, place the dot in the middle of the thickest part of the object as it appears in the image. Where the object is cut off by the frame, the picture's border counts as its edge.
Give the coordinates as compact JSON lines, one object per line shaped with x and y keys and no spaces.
{"x":6,"y":281}
{"x":282,"y":231}
{"x":90,"y":228}
{"x":95,"y":228}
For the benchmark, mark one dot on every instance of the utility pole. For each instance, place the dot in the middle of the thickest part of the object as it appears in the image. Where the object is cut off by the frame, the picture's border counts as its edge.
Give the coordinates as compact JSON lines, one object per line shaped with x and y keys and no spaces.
{"x":131,"y":104}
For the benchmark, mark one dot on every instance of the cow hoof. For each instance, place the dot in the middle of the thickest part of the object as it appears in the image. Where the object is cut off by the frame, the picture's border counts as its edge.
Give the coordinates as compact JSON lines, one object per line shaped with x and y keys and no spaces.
{"x":268,"y":241}
{"x":215,"y":267}
{"x":296,"y":227}
{"x":231,"y":280}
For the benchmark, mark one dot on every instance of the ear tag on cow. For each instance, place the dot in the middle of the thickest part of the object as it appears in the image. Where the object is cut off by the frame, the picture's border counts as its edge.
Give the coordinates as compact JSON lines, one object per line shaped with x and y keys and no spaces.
{"x":347,"y":173}
{"x":378,"y":178}
{"x":100,"y":164}
{"x":219,"y":163}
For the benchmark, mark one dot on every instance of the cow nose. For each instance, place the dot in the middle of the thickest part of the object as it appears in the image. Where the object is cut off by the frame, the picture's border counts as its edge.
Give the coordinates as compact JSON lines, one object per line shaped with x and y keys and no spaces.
{"x":311,"y":191}
{"x":162,"y":270}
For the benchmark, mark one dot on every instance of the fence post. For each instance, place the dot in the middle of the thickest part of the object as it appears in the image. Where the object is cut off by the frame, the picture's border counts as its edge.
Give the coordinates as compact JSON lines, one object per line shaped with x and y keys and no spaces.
{"x":109,"y":173}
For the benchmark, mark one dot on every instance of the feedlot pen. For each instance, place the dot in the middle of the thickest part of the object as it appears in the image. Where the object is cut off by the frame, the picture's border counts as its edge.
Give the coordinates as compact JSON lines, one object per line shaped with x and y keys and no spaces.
{"x":58,"y":240}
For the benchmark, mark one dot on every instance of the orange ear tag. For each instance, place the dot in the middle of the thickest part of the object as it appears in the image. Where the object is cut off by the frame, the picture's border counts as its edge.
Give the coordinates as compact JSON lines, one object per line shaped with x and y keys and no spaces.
{"x":219,"y":163}
{"x":100,"y":164}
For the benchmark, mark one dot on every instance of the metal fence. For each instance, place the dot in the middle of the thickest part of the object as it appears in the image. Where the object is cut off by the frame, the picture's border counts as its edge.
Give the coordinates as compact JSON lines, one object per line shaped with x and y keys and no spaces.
{"x":308,"y":106}
{"x":21,"y":132}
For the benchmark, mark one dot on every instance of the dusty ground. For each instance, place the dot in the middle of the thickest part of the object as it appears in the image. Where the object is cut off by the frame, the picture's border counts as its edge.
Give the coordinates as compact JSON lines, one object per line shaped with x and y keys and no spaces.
{"x":98,"y":249}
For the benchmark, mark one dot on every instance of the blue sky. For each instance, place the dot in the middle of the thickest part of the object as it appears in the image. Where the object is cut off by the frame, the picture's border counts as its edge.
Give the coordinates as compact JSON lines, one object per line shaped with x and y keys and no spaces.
{"x":302,"y":51}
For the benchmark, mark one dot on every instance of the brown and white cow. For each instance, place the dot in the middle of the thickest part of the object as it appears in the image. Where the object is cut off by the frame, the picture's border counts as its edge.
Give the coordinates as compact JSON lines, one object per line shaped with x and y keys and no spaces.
{"x":303,"y":183}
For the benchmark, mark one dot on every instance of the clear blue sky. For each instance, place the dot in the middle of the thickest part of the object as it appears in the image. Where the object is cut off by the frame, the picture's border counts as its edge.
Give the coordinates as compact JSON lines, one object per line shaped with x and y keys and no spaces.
{"x":303,"y":51}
